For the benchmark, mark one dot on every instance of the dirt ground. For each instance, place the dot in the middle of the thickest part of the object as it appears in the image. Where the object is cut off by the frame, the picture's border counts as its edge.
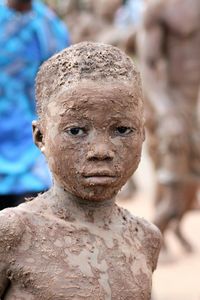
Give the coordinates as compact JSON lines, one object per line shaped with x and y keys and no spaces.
{"x":178,"y":275}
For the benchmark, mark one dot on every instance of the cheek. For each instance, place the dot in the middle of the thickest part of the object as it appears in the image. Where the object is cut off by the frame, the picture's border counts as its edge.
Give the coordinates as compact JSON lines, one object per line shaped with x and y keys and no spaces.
{"x":64,"y":157}
{"x":132,"y":155}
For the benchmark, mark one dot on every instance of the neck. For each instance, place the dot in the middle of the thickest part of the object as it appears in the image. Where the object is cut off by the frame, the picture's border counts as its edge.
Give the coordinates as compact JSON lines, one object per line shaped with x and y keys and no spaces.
{"x":20,"y":7}
{"x":68,"y":206}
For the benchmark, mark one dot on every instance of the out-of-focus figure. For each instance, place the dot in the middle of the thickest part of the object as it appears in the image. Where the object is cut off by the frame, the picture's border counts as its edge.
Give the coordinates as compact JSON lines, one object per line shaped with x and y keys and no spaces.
{"x":102,"y":20}
{"x":30,"y":33}
{"x":168,"y":44}
{"x":94,"y":18}
{"x":124,"y":19}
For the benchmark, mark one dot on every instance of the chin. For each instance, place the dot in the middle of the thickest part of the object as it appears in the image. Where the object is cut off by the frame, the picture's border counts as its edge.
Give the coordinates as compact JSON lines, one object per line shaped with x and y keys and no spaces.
{"x":98,"y":194}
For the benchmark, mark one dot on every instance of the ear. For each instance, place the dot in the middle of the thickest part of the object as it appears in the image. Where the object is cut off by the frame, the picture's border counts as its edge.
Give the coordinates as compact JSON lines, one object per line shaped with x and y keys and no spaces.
{"x":38,"y":136}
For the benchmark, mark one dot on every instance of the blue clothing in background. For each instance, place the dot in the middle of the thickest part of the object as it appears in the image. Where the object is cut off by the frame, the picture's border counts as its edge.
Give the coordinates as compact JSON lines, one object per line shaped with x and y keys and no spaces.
{"x":26,"y":40}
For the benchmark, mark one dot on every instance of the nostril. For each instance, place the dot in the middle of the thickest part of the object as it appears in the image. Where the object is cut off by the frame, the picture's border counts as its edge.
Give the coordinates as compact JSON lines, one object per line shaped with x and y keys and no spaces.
{"x":108,"y":158}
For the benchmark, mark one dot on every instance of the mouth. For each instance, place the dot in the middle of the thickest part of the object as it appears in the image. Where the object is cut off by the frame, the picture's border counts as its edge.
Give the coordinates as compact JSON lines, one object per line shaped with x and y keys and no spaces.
{"x":99,"y":178}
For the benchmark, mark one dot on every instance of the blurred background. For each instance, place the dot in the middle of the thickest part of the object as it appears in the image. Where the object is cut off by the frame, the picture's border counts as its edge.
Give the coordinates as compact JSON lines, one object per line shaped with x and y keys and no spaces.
{"x":119,"y":23}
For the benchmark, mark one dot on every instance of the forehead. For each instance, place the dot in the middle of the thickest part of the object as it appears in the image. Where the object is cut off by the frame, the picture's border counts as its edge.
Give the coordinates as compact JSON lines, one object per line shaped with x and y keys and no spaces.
{"x":86,"y":97}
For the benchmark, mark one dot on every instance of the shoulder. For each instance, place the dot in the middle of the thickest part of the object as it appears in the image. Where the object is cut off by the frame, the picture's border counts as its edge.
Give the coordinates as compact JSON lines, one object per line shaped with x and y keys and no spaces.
{"x":147,"y":231}
{"x":148,"y":235}
{"x":14,"y":222}
{"x":152,"y":241}
{"x":33,"y":207}
{"x":55,"y":26}
{"x":45,"y":12}
{"x":42,"y":9}
{"x":11,"y":229}
{"x":153,"y":12}
{"x":152,"y":233}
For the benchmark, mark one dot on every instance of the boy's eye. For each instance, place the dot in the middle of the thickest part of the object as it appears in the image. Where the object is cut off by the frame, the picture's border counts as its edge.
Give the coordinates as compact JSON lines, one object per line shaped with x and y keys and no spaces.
{"x":122,"y":130}
{"x":76,"y":131}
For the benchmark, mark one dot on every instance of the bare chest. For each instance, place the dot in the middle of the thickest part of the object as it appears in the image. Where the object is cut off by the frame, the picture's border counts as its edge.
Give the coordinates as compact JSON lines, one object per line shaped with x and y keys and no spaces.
{"x":181,"y":44}
{"x":76,"y":262}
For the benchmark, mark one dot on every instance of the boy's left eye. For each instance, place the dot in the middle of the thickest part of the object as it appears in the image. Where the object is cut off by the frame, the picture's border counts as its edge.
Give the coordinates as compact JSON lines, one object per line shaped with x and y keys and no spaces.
{"x":122,"y":130}
{"x":76,"y":131}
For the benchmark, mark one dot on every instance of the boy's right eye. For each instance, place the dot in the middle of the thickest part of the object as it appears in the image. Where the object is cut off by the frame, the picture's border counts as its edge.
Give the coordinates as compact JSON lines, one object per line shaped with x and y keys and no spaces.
{"x":76,"y":131}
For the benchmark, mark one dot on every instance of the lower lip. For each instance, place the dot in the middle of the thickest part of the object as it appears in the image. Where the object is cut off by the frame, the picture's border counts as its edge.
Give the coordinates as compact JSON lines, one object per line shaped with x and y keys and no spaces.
{"x":100,"y":180}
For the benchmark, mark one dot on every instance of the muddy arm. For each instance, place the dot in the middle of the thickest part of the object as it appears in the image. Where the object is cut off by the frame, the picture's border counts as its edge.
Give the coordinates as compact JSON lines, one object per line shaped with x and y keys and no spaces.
{"x":11,"y":231}
{"x":152,"y":244}
{"x":153,"y":63}
{"x":4,"y":282}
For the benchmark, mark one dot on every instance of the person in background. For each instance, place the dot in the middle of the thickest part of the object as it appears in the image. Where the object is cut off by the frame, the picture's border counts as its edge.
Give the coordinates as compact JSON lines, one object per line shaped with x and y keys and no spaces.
{"x":168,"y":47}
{"x":30,"y":33}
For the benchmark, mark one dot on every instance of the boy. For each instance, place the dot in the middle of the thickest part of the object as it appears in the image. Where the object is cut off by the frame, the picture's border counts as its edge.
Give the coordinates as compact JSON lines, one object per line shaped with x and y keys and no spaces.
{"x":73,"y":242}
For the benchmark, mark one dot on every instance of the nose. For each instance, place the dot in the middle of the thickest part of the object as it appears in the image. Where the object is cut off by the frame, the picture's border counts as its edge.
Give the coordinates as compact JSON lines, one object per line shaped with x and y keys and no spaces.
{"x":100,"y":151}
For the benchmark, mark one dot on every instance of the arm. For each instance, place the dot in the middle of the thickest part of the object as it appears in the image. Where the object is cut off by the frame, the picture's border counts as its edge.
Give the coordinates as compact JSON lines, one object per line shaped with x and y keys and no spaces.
{"x":11,"y":231}
{"x":150,"y":42}
{"x":155,"y":242}
{"x":4,"y":282}
{"x":152,"y":243}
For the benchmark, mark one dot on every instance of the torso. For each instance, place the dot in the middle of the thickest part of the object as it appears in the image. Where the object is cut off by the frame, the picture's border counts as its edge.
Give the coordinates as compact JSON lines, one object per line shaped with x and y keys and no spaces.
{"x":69,"y":260}
{"x":182,"y":28}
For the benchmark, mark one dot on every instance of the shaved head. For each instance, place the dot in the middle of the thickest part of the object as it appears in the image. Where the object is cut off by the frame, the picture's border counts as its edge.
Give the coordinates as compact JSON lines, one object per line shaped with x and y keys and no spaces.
{"x":84,"y":61}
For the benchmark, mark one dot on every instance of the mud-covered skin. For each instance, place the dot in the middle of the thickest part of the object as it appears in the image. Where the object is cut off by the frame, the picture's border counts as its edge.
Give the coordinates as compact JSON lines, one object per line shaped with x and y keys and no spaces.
{"x":73,"y":242}
{"x":76,"y":254}
{"x":168,"y":44}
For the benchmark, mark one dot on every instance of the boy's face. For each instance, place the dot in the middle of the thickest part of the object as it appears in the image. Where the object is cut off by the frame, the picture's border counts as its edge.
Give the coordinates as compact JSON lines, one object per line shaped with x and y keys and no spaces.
{"x":92,"y":138}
